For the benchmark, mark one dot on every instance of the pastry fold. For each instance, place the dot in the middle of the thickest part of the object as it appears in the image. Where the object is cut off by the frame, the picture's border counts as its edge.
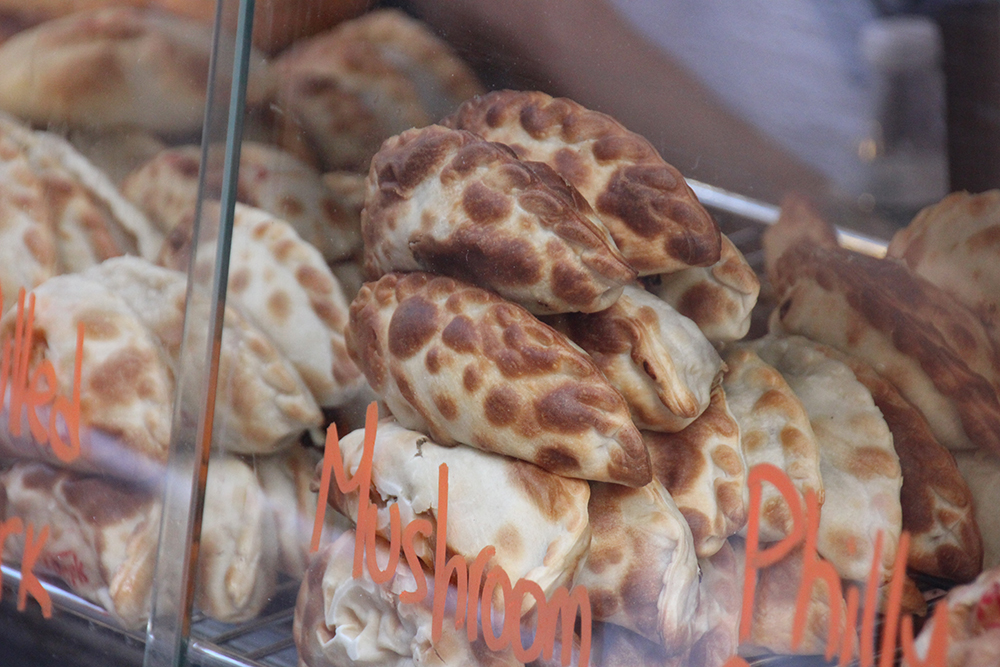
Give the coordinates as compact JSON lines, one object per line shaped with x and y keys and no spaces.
{"x":658,"y":359}
{"x":702,"y":467}
{"x":651,"y":212}
{"x":718,"y":298}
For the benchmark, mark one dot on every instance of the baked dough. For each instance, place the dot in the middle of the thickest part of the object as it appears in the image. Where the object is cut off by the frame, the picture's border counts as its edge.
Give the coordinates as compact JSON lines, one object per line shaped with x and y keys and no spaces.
{"x":652,"y":214}
{"x":465,"y":366}
{"x":448,"y":202}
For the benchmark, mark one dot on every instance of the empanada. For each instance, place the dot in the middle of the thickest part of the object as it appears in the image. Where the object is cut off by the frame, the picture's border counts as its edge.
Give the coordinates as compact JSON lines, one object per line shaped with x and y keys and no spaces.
{"x":952,"y":244}
{"x":166,"y":188}
{"x":718,"y":298}
{"x":284,"y":287}
{"x":702,"y":467}
{"x":102,"y":535}
{"x":448,"y":202}
{"x":347,"y":621}
{"x":465,"y":366}
{"x":774,"y":429}
{"x":936,"y":502}
{"x":126,"y":384}
{"x":536,"y":521}
{"x":860,"y":468}
{"x":652,"y":214}
{"x":262,"y":404}
{"x":641,"y":571}
{"x":115,"y":66}
{"x":658,"y":359}
{"x":935,"y":351}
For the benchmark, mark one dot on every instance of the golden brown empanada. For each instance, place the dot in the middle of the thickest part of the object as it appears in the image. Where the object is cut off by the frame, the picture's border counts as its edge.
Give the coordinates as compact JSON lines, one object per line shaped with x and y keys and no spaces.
{"x":936,"y":502}
{"x":652,"y":214}
{"x":448,"y":202}
{"x":465,"y":366}
{"x":935,"y":351}
{"x":115,"y":66}
{"x":262,"y":404}
{"x":658,"y":359}
{"x":702,"y":467}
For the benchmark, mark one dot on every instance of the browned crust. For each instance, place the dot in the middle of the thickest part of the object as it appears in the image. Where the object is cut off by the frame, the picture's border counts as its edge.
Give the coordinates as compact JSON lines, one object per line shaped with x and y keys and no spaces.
{"x":481,"y":255}
{"x":651,"y":212}
{"x":799,"y":221}
{"x":929,"y":472}
{"x":521,"y":348}
{"x":895,"y":303}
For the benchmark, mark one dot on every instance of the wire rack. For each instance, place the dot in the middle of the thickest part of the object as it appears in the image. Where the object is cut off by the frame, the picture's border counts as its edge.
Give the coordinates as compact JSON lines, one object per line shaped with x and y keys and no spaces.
{"x":267,"y":640}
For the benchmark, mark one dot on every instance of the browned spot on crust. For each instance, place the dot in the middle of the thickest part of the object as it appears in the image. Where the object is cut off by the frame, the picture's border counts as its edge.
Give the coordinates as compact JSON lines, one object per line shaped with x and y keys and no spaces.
{"x":290,"y":207}
{"x":509,"y":541}
{"x":412,"y":326}
{"x":502,"y":406}
{"x":460,"y":335}
{"x":123,"y":376}
{"x":550,"y":493}
{"x":471,"y":379}
{"x":446,"y":406}
{"x":557,"y":459}
{"x":433,"y":360}
{"x":239,"y":280}
{"x":574,"y":408}
{"x":103,"y":502}
{"x":604,"y":603}
{"x":279,"y":305}
{"x":480,"y":256}
{"x":776,"y":513}
{"x":313,"y":279}
{"x":485,"y":206}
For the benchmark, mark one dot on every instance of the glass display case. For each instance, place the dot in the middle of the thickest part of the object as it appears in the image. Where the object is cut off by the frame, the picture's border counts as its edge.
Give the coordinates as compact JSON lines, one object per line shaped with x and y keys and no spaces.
{"x":456,"y":333}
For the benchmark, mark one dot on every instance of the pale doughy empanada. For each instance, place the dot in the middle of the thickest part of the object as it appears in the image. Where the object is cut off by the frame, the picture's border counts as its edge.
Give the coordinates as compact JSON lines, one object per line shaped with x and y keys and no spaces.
{"x":262,"y":404}
{"x":115,"y":66}
{"x":936,"y":502}
{"x":641,"y":571}
{"x":651,"y":212}
{"x":536,"y":521}
{"x":283,"y":286}
{"x":463,"y":365}
{"x":860,"y":468}
{"x":775,"y":429}
{"x":702,"y":467}
{"x":126,"y":384}
{"x":718,"y":298}
{"x":166,"y":188}
{"x":347,"y":621}
{"x":658,"y":359}
{"x":451,"y":203}
{"x":933,"y":349}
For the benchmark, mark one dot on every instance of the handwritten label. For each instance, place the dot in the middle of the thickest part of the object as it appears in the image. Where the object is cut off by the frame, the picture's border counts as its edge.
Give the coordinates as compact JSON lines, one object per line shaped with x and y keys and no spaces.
{"x":27,"y":395}
{"x":561,"y":610}
{"x":565,"y":605}
{"x":41,"y":389}
{"x":805,"y":530}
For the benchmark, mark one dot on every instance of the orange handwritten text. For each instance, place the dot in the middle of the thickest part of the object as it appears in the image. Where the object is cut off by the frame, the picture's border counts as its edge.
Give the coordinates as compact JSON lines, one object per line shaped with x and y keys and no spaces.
{"x":474,"y":591}
{"x":27,"y":394}
{"x":32,"y":548}
{"x":840,"y":640}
